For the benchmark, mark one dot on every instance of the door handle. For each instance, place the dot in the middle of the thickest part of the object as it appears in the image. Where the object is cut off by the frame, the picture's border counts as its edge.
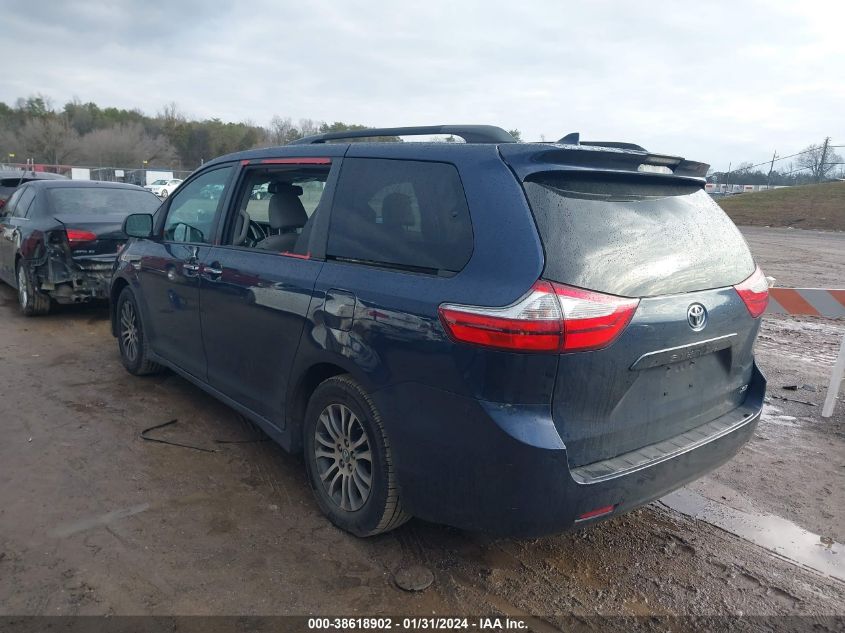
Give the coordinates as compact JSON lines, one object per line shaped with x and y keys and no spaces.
{"x":212,"y":272}
{"x":190,"y":269}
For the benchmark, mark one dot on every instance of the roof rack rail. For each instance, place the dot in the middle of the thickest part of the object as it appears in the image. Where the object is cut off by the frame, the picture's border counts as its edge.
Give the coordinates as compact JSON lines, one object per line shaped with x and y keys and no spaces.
{"x":470,"y":133}
{"x":574,"y":138}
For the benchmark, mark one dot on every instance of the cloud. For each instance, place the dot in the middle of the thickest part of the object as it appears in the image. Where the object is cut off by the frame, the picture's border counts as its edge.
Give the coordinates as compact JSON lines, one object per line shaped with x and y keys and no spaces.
{"x":717,"y":82}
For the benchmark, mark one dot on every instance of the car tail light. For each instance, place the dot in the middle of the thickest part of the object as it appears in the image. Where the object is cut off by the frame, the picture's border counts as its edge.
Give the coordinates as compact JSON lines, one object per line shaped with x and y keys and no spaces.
{"x":754,"y":292}
{"x":78,"y":235}
{"x":549,"y":318}
{"x":592,"y":320}
{"x":2,"y":203}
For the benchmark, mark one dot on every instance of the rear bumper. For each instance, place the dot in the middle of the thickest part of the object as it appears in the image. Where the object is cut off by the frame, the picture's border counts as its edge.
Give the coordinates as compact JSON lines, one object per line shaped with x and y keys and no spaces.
{"x":503,"y":468}
{"x":73,"y":281}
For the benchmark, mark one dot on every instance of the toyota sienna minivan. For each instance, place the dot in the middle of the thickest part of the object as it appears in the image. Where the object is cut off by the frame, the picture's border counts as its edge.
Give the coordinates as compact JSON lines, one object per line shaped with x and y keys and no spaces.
{"x":511,"y":337}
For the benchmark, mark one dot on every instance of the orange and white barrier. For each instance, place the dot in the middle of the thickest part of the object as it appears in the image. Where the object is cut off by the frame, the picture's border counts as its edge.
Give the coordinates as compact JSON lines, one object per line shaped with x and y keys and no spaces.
{"x":822,"y":302}
{"x":810,"y":301}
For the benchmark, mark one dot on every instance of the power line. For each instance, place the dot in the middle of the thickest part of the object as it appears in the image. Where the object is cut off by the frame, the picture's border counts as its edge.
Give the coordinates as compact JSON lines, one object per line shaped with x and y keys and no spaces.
{"x":780,"y":158}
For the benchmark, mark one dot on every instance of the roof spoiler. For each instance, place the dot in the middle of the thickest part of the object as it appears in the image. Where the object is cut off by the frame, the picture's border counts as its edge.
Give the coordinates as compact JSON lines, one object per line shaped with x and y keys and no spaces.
{"x":655,"y":163}
{"x":574,"y":138}
{"x":470,"y":133}
{"x":528,"y":158}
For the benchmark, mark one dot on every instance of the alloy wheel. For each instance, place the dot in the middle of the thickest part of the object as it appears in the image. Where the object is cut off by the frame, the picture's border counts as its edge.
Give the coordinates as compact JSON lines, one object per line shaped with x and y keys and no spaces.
{"x":23,"y":293}
{"x":343,"y":457}
{"x":129,"y":331}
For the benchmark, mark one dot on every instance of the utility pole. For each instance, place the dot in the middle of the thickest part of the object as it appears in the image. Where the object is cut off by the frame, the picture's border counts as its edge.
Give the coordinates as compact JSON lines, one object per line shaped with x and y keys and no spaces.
{"x":823,"y":159}
{"x":771,"y":168}
{"x":728,"y":178}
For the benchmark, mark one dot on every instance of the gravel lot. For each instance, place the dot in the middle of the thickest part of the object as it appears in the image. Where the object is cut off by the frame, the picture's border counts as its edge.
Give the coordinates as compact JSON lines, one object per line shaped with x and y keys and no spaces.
{"x":93,"y":520}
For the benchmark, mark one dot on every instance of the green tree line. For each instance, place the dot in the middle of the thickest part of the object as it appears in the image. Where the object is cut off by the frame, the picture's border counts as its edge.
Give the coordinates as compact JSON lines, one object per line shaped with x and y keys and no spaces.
{"x":86,"y":134}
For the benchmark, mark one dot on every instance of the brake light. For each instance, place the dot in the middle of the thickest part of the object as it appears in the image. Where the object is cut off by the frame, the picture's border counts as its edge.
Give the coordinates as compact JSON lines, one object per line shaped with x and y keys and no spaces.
{"x":754,"y":292}
{"x":549,"y":318}
{"x":2,"y":202}
{"x":592,"y":320}
{"x":78,"y":235}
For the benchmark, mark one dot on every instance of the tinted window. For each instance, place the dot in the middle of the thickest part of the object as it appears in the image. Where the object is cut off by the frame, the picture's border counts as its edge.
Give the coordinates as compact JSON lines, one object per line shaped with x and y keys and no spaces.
{"x":635,"y":239}
{"x":192,"y":211}
{"x":402,"y":213}
{"x":101,"y":201}
{"x":12,"y":203}
{"x":22,"y":207}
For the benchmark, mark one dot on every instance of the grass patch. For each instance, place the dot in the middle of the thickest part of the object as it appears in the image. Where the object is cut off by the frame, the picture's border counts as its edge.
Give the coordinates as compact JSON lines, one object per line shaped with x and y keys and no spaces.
{"x":805,"y":207}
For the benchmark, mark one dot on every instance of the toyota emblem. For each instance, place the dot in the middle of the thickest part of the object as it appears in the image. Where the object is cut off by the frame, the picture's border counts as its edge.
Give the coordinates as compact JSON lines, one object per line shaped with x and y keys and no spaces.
{"x":697,"y":316}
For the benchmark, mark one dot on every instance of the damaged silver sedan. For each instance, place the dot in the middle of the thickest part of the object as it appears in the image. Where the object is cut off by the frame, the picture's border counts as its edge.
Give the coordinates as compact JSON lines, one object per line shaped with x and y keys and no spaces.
{"x":59,"y":239}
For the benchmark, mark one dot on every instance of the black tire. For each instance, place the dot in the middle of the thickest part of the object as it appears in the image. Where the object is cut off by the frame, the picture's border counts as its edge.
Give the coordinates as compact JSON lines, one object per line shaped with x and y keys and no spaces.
{"x":381,"y":510}
{"x":32,"y":302}
{"x":164,"y":193}
{"x":134,"y":353}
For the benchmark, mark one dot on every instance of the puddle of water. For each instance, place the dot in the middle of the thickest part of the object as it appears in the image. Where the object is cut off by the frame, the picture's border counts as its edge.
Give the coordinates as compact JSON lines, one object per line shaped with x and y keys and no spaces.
{"x":776,"y":534}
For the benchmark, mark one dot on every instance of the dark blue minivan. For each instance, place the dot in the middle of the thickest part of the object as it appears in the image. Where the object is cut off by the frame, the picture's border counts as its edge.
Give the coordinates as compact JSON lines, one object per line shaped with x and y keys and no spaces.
{"x":510,"y":337}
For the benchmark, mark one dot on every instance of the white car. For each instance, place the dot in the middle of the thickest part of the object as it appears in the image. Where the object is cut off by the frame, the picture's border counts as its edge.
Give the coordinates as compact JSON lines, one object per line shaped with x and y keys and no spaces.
{"x":163,"y":187}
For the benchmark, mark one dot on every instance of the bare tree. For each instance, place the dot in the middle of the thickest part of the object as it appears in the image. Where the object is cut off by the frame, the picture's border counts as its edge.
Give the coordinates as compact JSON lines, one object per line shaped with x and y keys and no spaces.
{"x":819,"y":160}
{"x":307,"y":127}
{"x":170,"y":114}
{"x":49,"y":140}
{"x":281,"y":131}
{"x":125,"y":145}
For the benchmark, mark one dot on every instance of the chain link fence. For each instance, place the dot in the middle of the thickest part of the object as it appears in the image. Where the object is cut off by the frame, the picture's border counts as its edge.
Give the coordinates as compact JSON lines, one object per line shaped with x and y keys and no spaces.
{"x":132,"y":175}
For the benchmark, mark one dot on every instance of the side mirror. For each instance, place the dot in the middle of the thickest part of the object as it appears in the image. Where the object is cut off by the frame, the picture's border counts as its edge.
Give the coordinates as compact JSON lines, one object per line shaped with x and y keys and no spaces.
{"x":138,"y":225}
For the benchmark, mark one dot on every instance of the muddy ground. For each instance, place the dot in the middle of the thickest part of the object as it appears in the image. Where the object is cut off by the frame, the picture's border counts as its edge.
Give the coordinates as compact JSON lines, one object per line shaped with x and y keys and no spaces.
{"x":94,"y":520}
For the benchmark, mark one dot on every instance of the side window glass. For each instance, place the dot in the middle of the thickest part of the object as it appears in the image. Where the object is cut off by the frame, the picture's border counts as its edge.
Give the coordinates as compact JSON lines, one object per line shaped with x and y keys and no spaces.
{"x":277,"y":206}
{"x":402,"y":213}
{"x":12,"y":203}
{"x":194,"y":209}
{"x":24,"y":203}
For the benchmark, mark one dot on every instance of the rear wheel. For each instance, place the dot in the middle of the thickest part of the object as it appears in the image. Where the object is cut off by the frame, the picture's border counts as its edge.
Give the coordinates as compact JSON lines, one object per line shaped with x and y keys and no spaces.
{"x":349,"y":461}
{"x":31,"y":301}
{"x":130,"y":337}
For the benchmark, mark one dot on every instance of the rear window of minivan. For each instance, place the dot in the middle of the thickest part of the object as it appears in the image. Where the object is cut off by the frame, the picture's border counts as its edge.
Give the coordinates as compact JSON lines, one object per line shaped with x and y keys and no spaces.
{"x":635,"y":238}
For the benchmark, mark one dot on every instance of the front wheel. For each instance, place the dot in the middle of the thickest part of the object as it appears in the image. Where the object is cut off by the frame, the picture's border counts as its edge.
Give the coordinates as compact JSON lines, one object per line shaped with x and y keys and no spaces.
{"x":164,"y":193}
{"x":131,"y":339}
{"x":31,"y":301}
{"x":349,"y":461}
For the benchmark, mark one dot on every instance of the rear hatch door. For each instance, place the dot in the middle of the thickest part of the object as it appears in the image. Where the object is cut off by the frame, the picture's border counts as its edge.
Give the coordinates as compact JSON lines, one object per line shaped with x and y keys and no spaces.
{"x":665,"y":242}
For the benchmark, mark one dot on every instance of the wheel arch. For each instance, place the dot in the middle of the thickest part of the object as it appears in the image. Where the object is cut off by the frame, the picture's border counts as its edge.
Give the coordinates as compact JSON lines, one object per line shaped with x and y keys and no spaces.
{"x":114,"y":293}
{"x":301,"y":394}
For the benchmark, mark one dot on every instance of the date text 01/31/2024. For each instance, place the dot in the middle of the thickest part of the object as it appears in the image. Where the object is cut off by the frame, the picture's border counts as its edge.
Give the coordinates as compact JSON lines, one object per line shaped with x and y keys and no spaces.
{"x":417,"y":624}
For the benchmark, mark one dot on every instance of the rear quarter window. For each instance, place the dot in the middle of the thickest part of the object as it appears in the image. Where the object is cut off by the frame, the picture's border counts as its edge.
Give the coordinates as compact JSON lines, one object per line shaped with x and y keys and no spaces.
{"x":401,"y":213}
{"x":635,"y":238}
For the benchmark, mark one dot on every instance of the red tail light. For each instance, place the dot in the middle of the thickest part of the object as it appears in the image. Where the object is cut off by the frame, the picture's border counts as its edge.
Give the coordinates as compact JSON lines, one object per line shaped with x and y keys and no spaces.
{"x":754,"y":291}
{"x":550,"y":318}
{"x":75,"y":236}
{"x":2,"y":202}
{"x":592,"y":320}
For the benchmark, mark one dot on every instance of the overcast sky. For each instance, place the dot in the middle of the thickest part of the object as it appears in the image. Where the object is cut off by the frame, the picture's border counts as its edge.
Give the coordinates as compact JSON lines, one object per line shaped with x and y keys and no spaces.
{"x":713,"y":82}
